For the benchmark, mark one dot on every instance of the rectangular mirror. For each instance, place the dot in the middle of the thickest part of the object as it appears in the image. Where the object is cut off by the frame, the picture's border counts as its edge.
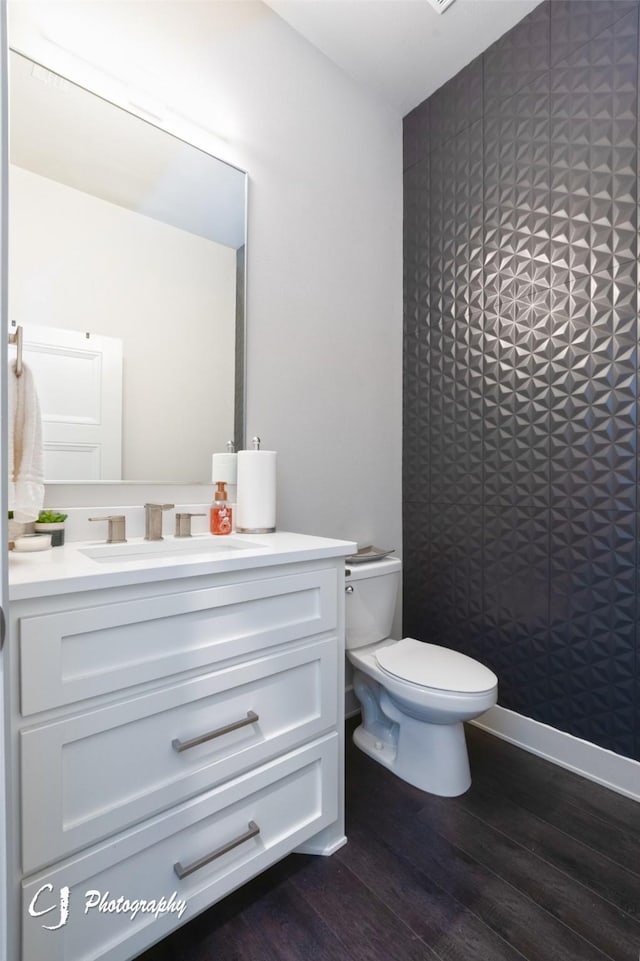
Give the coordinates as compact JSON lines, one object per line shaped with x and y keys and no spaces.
{"x":120,"y":233}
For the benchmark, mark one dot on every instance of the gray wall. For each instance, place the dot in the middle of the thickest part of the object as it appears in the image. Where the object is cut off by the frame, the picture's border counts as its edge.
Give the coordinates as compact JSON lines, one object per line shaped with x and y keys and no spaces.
{"x":324,"y":252}
{"x":520,"y":368}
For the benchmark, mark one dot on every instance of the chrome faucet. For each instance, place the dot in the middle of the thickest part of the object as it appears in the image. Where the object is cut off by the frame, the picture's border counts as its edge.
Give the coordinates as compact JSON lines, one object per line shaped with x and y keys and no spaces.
{"x":183,"y":523}
{"x":153,"y":521}
{"x":117,"y":531}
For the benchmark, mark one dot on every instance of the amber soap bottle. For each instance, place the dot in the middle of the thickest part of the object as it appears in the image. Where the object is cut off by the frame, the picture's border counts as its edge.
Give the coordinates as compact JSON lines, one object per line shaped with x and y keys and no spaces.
{"x":220,"y":513}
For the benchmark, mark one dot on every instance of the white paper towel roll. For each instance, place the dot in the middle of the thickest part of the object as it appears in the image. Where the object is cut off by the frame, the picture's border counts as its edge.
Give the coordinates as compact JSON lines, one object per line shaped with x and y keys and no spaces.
{"x":256,"y":507}
{"x":224,"y":467}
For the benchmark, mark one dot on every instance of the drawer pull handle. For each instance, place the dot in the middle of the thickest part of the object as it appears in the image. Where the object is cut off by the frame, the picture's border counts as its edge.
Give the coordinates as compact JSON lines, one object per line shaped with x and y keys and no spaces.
{"x":183,"y":872}
{"x":179,"y":745}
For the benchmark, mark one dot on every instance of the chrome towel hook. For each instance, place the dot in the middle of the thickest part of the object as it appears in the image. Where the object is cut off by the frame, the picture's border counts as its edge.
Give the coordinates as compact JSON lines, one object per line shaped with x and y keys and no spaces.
{"x":16,"y":338}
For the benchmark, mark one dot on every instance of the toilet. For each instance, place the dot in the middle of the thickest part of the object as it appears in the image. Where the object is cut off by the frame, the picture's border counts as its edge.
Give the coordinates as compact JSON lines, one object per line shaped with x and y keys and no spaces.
{"x":414,"y":696}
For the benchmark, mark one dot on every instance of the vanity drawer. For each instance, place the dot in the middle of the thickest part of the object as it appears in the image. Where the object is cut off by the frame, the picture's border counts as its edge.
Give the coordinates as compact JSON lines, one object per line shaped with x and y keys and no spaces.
{"x":289,"y":799}
{"x":108,"y":768}
{"x":76,"y":654}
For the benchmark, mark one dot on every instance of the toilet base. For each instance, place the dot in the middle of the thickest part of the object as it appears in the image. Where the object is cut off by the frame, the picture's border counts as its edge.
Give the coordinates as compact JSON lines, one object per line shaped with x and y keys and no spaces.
{"x":432,"y":757}
{"x":384,"y":753}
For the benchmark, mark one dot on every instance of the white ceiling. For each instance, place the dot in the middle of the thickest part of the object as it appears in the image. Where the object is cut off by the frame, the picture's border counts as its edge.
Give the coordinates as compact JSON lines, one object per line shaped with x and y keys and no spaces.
{"x":403,"y":50}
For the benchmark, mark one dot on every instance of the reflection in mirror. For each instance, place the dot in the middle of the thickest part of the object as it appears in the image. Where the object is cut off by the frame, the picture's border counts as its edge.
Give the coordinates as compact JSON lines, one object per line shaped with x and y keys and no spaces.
{"x":121,"y":234}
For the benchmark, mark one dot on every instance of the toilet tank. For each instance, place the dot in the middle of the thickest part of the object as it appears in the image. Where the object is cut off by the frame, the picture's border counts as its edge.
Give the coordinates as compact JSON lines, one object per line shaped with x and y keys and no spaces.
{"x":370,"y":600}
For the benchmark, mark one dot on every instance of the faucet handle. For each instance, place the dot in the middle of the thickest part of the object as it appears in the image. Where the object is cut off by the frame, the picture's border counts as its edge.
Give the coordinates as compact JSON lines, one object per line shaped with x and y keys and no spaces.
{"x":116,"y":530}
{"x":183,"y":523}
{"x":153,"y":520}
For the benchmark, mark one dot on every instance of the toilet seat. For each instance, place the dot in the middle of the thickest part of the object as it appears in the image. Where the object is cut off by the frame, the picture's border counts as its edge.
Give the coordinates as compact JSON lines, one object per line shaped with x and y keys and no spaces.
{"x":435,"y":667}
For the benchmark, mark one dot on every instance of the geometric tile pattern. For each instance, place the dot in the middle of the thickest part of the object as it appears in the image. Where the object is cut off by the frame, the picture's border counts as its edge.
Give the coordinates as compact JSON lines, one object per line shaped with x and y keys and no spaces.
{"x":455,"y":326}
{"x":576,"y":22}
{"x":521,"y":387}
{"x":593,"y":180}
{"x":455,"y":576}
{"x":593,"y":625}
{"x":456,"y":105}
{"x":415,"y":134}
{"x":515,"y":60}
{"x":520,"y":311}
{"x":416,"y":412}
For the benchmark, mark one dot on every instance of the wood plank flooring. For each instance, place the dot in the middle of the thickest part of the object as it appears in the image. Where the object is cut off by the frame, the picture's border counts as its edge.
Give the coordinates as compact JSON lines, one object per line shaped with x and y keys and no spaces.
{"x":532,"y":863}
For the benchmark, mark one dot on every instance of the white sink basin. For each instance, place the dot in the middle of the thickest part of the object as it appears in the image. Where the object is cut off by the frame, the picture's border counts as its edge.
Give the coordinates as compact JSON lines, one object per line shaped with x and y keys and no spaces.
{"x":140,"y":550}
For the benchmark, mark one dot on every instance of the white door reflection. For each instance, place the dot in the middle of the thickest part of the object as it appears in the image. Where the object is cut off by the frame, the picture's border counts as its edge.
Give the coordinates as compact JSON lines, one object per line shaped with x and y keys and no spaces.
{"x":79,"y":383}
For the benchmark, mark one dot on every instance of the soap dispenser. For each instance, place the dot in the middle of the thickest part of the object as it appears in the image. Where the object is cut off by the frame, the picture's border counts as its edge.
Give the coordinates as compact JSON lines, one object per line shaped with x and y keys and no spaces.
{"x":220,"y":513}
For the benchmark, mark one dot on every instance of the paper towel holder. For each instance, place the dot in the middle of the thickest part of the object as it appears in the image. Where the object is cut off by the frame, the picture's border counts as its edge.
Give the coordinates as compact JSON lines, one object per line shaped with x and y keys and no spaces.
{"x":244,"y":528}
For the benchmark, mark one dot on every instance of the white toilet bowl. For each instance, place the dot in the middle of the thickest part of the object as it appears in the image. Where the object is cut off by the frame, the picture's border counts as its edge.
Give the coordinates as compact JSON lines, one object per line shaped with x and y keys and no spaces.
{"x":414,"y":696}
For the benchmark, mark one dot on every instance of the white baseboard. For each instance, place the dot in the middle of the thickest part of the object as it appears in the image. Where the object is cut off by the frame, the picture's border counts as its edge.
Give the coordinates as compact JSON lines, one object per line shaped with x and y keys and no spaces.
{"x":621,"y":774}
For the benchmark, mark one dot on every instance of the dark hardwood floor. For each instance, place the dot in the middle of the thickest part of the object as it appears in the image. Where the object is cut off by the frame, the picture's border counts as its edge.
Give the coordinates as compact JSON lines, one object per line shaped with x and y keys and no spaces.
{"x":532,"y":863}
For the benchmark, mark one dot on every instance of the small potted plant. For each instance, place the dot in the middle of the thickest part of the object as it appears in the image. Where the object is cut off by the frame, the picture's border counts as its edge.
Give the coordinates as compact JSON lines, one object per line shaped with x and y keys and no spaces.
{"x":52,"y":522}
{"x":13,"y":529}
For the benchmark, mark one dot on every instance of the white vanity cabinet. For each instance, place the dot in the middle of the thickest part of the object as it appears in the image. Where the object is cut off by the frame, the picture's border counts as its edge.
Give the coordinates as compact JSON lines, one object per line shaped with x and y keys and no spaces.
{"x":168,"y":740}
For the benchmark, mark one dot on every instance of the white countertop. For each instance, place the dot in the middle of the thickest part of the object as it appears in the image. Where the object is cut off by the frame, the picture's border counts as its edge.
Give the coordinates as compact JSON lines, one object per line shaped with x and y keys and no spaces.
{"x":63,"y":570}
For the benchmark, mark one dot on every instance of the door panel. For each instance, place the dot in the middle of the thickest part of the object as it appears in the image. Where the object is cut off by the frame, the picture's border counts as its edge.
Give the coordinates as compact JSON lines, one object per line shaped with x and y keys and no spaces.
{"x":79,"y":381}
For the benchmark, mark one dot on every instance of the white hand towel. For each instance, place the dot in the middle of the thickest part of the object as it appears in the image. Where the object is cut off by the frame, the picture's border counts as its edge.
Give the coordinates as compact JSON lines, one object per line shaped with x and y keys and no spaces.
{"x":26,"y":454}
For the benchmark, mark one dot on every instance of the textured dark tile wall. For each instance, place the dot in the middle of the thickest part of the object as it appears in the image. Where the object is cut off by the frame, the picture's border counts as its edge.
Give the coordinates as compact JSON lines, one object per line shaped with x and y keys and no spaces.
{"x":521,"y":368}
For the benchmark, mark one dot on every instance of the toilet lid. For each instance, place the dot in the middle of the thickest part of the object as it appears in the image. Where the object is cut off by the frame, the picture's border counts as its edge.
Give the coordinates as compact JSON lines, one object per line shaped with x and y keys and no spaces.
{"x":437,"y":667}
